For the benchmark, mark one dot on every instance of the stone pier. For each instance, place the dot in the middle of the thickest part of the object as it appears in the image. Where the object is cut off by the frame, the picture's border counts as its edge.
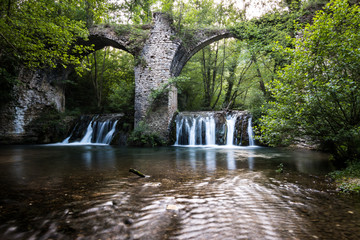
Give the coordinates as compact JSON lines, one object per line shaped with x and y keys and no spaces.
{"x":152,"y":73}
{"x":160,"y":53}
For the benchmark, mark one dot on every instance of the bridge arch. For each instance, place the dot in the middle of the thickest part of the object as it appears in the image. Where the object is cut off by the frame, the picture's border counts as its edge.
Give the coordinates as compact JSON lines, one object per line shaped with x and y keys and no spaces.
{"x":161,"y":54}
{"x":202,"y":38}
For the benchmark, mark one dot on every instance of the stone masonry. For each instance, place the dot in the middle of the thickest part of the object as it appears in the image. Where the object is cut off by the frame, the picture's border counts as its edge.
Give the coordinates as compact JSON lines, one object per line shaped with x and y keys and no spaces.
{"x":160,"y":53}
{"x":153,"y":71}
{"x":161,"y":56}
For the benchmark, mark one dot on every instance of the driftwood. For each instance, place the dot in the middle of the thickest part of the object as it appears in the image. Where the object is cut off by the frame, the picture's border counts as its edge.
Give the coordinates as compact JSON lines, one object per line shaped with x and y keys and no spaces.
{"x":136,"y":172}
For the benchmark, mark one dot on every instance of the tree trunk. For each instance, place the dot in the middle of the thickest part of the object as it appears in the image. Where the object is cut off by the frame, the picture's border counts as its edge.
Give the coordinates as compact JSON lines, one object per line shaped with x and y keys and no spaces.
{"x":222,"y":76}
{"x":261,"y":81}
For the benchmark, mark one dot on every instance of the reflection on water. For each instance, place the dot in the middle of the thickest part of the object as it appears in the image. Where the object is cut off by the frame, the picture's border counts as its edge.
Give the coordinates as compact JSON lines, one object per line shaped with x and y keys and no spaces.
{"x":230,"y":160}
{"x":251,"y":160}
{"x":210,"y":160}
{"x":86,"y":192}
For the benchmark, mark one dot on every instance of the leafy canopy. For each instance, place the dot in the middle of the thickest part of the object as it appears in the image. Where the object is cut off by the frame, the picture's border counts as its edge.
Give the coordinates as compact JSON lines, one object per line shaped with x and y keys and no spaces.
{"x":318,"y":94}
{"x":43,"y":33}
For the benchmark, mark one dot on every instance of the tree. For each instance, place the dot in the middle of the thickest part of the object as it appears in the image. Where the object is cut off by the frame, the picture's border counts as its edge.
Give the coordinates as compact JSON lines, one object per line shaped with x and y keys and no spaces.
{"x":109,"y":78}
{"x":43,"y":33}
{"x":317,"y":96}
{"x":96,"y":73}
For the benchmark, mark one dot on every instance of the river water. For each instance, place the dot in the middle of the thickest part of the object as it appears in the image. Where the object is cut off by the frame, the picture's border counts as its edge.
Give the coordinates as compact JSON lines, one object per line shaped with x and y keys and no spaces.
{"x":87,"y":192}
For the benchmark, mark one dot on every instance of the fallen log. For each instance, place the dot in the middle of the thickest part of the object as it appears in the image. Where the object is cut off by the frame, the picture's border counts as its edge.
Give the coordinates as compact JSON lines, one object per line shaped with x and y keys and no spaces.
{"x":136,"y":172}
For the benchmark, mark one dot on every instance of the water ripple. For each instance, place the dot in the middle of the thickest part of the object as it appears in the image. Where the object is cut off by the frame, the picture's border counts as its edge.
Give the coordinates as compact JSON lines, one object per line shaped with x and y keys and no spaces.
{"x":238,"y":205}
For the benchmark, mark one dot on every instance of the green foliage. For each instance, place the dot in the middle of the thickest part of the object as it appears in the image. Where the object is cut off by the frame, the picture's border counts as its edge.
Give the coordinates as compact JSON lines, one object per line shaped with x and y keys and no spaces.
{"x":137,"y":35}
{"x":254,"y":103}
{"x":43,"y":33}
{"x":265,"y":32}
{"x":8,"y":78}
{"x":318,"y":94}
{"x":142,"y":136}
{"x":121,"y":85}
{"x":115,"y":84}
{"x":308,"y":4}
{"x":185,"y":14}
{"x":134,"y":11}
{"x":165,"y":88}
{"x":230,"y":74}
{"x":49,"y":126}
{"x":280,"y":168}
{"x":293,"y":5}
{"x":348,"y":180}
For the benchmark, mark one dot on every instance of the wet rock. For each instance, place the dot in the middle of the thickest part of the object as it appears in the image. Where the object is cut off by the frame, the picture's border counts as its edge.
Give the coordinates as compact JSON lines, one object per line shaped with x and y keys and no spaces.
{"x":38,"y":92}
{"x":128,"y":221}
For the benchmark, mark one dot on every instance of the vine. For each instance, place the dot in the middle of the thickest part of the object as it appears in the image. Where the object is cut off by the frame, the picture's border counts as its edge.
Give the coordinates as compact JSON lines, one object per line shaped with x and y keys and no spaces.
{"x":166,"y":87}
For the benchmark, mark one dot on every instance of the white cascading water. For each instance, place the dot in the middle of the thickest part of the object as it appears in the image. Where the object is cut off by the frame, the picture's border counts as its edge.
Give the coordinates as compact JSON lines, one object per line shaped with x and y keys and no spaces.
{"x":66,"y":140}
{"x":88,"y":135}
{"x":250,"y":132}
{"x":192,"y":129}
{"x":108,"y":137}
{"x":199,"y":130}
{"x":102,"y":127}
{"x":192,"y":132}
{"x":210,"y":137}
{"x":179,"y":125}
{"x":19,"y":120}
{"x":230,"y":125}
{"x":97,"y":132}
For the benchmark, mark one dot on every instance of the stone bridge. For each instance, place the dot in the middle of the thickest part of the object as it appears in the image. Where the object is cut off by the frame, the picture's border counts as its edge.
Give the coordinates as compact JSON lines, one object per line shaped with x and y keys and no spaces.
{"x":161,"y":53}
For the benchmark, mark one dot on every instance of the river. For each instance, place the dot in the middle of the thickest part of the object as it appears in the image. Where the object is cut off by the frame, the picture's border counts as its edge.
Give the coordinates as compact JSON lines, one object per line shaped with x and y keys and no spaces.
{"x":87,"y":192}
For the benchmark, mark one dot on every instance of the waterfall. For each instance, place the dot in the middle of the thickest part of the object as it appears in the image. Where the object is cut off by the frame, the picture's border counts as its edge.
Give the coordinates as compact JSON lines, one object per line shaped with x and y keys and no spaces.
{"x":108,"y":137}
{"x":88,"y":135}
{"x":212,"y":128}
{"x":191,"y":129}
{"x":230,"y":126}
{"x":97,"y":130}
{"x":250,"y":132}
{"x":105,"y":131}
{"x":19,"y":120}
{"x":192,"y":132}
{"x":179,"y":124}
{"x":66,"y":140}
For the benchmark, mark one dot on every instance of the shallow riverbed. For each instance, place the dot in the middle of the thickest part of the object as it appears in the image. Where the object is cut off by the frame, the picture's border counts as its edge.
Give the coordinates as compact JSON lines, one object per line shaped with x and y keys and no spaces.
{"x":87,"y":192}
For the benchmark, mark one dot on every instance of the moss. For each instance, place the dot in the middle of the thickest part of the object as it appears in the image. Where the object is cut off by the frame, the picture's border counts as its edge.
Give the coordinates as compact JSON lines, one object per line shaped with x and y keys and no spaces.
{"x":139,"y":60}
{"x":172,"y":130}
{"x":136,"y":35}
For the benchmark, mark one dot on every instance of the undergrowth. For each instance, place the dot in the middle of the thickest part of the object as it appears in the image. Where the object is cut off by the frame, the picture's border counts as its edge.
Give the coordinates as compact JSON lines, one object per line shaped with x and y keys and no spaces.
{"x":142,"y":136}
{"x":348,"y":179}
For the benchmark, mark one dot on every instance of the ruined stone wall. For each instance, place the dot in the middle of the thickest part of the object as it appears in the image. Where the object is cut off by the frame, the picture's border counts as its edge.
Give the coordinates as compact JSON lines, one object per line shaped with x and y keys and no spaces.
{"x":36,"y":92}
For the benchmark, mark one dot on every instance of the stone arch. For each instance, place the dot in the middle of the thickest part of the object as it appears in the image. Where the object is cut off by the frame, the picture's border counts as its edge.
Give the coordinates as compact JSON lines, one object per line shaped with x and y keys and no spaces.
{"x":101,"y":41}
{"x":123,"y":37}
{"x":201,"y":39}
{"x":160,"y":54}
